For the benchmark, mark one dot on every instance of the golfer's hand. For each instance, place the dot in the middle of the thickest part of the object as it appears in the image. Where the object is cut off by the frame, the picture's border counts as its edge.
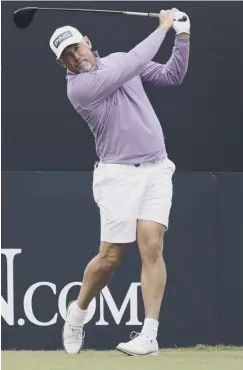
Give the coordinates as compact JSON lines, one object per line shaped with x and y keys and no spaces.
{"x":166,"y":18}
{"x":181,"y":27}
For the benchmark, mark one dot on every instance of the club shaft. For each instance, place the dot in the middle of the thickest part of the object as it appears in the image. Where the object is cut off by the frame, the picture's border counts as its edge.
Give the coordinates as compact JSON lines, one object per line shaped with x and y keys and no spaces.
{"x":155,"y":15}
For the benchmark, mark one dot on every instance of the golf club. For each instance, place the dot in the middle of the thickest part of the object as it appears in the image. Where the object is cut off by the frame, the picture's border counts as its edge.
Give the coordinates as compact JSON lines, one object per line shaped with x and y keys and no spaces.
{"x":24,"y":16}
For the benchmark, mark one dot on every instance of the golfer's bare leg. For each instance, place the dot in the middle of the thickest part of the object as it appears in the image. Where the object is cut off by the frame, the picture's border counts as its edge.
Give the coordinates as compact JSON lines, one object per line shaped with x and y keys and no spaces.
{"x":99,"y":272}
{"x":153,"y":276}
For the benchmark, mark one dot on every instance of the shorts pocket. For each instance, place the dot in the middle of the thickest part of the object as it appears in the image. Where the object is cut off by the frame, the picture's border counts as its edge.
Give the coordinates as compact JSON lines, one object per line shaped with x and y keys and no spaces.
{"x":171,"y":166}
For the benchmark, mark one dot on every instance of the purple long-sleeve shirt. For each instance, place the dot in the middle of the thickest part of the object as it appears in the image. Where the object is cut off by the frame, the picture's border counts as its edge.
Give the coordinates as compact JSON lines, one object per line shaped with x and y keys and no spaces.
{"x":112,"y":100}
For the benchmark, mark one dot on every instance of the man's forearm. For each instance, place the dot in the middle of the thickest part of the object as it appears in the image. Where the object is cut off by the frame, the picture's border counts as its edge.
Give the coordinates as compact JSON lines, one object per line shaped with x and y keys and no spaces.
{"x":173,"y":72}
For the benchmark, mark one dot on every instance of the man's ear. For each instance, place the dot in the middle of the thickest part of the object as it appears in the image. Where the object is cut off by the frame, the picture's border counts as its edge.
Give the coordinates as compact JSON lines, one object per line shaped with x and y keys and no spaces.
{"x":88,"y":42}
{"x":61,"y":63}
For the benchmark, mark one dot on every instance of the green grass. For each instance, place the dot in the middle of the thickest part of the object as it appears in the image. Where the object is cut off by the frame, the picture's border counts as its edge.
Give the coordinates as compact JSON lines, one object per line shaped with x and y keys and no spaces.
{"x":198,"y":358}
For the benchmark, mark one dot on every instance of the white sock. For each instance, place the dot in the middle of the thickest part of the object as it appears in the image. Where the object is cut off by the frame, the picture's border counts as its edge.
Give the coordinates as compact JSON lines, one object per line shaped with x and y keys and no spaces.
{"x":150,"y":328}
{"x":77,"y":316}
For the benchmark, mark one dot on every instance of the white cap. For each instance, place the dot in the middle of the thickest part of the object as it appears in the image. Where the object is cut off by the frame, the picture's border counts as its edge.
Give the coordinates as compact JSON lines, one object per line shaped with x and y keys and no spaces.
{"x":64,"y":37}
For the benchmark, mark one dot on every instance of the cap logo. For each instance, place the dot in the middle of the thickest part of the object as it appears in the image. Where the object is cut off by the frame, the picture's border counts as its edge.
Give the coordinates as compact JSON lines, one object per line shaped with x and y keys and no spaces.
{"x":62,"y":37}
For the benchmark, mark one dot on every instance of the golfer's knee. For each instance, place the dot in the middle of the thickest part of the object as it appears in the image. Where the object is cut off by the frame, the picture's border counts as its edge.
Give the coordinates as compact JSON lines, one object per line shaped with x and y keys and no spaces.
{"x":152,"y":251}
{"x":110,"y":256}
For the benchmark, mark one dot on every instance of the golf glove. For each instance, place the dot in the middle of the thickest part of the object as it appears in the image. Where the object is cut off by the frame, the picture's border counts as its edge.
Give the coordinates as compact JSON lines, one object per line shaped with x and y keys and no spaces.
{"x":179,"y":26}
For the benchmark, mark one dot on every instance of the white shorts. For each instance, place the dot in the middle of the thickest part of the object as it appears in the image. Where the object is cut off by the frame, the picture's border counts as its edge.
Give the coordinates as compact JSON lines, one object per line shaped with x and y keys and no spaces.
{"x":125,"y":194}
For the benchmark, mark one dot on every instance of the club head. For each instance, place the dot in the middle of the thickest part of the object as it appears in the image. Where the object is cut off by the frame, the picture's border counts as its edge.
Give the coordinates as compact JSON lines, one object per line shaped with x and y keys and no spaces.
{"x":23,"y":17}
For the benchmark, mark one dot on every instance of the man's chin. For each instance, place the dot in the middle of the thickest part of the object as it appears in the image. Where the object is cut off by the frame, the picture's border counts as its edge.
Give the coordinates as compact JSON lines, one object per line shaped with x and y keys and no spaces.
{"x":86,"y":67}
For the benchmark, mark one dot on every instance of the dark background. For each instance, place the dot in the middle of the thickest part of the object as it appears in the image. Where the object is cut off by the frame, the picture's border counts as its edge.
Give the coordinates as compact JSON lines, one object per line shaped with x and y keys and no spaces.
{"x":202,"y":119}
{"x":47,"y":161}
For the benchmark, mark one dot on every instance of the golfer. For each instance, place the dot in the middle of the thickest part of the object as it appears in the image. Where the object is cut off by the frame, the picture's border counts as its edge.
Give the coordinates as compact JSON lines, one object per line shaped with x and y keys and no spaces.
{"x":132,"y":182}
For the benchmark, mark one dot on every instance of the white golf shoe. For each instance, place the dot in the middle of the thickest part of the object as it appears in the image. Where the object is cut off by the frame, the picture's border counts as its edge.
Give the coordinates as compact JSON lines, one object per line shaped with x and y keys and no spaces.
{"x":139,"y":345}
{"x":72,"y":336}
